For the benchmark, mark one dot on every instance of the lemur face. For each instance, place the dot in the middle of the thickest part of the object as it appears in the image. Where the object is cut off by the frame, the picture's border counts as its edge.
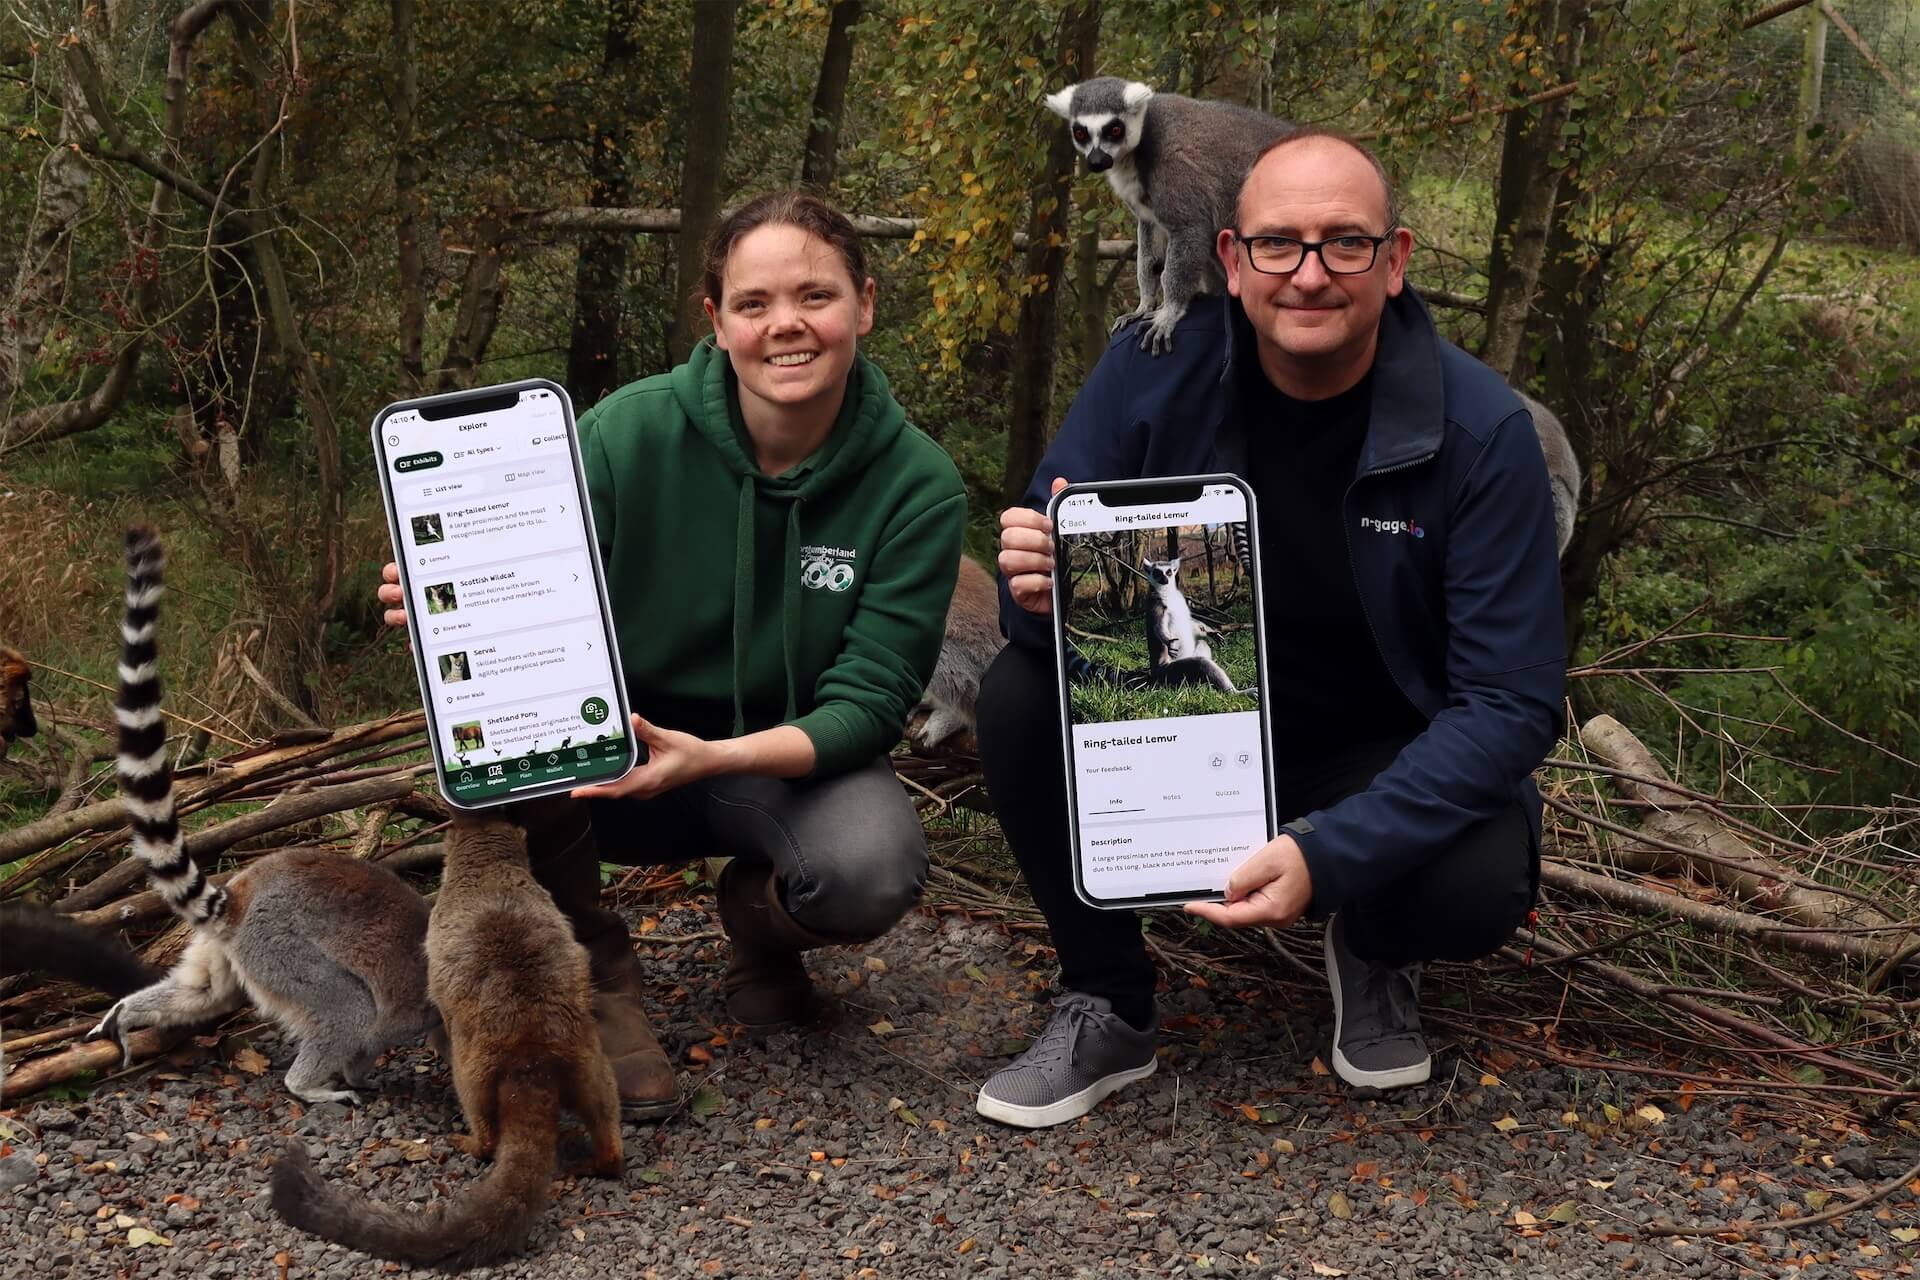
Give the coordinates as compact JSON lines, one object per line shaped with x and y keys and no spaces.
{"x":1161,"y":572}
{"x":1106,"y":118}
{"x":16,"y":700}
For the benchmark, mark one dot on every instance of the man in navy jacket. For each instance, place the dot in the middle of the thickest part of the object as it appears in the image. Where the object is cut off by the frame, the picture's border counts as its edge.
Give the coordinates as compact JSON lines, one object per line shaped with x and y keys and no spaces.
{"x":1416,"y":658}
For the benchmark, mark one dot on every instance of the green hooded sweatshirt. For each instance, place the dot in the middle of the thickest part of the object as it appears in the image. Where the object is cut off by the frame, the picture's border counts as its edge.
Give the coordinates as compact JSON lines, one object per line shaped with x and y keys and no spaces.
{"x":815,"y":598}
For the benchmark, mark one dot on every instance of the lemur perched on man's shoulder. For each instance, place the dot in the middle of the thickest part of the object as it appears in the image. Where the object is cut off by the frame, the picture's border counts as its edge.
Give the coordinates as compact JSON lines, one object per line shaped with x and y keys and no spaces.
{"x":1177,"y":163}
{"x":331,"y":947}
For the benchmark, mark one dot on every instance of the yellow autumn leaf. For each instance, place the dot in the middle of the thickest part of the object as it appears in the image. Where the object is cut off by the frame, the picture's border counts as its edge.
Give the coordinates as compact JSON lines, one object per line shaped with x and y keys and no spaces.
{"x":1506,"y":1124}
{"x":1322,"y":1269}
{"x":1651,"y":1114}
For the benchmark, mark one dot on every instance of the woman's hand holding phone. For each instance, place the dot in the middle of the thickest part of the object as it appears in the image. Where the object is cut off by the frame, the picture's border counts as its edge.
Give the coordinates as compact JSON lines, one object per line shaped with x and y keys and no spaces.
{"x":1026,"y":556}
{"x":391,"y":594}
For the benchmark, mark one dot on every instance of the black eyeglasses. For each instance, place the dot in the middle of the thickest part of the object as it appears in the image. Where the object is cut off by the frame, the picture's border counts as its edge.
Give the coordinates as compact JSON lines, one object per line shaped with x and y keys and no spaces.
{"x":1348,"y":255}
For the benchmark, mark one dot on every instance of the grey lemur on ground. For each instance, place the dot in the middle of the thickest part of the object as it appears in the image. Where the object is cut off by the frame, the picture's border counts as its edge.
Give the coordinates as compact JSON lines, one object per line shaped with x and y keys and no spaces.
{"x":972,"y":642}
{"x":1177,"y":649}
{"x":1177,"y":163}
{"x":513,"y":986}
{"x":331,"y":947}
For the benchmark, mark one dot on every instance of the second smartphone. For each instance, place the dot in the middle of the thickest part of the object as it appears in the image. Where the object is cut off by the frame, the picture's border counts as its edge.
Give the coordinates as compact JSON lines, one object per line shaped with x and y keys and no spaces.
{"x":1157,"y":629}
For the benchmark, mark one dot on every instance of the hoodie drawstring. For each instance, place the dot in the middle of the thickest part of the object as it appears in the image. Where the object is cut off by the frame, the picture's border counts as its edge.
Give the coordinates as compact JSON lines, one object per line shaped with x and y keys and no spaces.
{"x":743,"y":587}
{"x":742,"y":599}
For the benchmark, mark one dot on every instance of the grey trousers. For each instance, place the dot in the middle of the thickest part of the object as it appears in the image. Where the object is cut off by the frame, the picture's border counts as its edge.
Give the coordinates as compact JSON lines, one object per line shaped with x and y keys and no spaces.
{"x":849,"y":851}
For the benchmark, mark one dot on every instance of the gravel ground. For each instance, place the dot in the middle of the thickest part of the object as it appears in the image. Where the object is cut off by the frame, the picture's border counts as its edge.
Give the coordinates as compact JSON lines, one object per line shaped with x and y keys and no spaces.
{"x":853,"y":1150}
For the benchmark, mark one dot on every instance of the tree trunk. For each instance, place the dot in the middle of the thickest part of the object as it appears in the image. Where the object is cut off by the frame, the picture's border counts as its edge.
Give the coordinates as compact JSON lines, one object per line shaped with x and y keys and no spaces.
{"x":50,"y":422}
{"x":709,"y":110}
{"x":1813,"y":73}
{"x":600,"y":266}
{"x":66,"y":180}
{"x":1031,"y":420}
{"x":830,"y":98}
{"x":483,"y":290}
{"x":408,"y":201}
{"x":251,"y":35}
{"x":1528,"y":189}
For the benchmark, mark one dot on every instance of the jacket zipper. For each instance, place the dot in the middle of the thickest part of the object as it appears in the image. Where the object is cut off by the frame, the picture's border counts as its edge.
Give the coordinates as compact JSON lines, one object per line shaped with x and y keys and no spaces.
{"x":1359,"y":588}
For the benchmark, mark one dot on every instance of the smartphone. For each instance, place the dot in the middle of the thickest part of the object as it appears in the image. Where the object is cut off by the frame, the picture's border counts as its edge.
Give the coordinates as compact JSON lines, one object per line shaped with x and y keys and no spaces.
{"x":1157,"y":626}
{"x":507,"y":608}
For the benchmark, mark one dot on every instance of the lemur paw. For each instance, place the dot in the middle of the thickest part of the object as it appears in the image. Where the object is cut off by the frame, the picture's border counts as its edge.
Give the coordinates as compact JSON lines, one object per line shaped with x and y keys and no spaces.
{"x":1158,"y":335}
{"x":316,"y":1096}
{"x":1129,"y":317}
{"x":109,"y":1028}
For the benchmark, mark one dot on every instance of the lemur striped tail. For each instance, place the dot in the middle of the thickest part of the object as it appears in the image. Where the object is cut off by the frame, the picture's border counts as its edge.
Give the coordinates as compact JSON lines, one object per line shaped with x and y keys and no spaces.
{"x":146,"y":776}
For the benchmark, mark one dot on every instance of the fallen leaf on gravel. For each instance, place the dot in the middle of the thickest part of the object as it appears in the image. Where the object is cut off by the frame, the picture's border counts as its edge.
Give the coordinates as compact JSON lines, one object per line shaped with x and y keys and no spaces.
{"x":1687,"y":1091}
{"x":650,"y":1176}
{"x":974,"y":971}
{"x":1322,"y":1269}
{"x":1367,"y":1169}
{"x":414,"y":1152}
{"x":699,"y":1053}
{"x":1506,"y":1124}
{"x":966,"y":1246}
{"x":122,"y":1221}
{"x":902,"y":1110}
{"x":140,"y":1235}
{"x":938,"y":1125}
{"x":706,"y":1101}
{"x":881,"y":1028}
{"x":1318,"y":1067}
{"x":1598,"y":1185}
{"x":1817,"y":1199}
{"x":1283,"y":1145}
{"x":1905,"y":1235}
{"x":764,"y":1122}
{"x":1490,"y":1080}
{"x":251,"y":1061}
{"x":876,"y":965}
{"x":1339,"y":1206}
{"x":1250,"y":1111}
{"x":1613,"y":1113}
{"x":1651,"y":1114}
{"x":1522,"y":1218}
{"x":1565,"y":1212}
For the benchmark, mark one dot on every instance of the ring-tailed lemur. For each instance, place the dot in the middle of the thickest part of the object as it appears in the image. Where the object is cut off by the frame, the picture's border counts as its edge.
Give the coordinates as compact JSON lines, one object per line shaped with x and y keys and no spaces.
{"x":1177,"y":649}
{"x":1563,"y":469}
{"x":329,"y":946}
{"x":973,"y":641}
{"x":514,"y":987}
{"x":16,"y":699}
{"x":1177,"y":163}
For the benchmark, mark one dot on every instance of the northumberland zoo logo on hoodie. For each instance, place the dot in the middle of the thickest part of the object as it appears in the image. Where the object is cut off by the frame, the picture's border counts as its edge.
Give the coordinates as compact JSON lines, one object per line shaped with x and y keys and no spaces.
{"x":827,"y":568}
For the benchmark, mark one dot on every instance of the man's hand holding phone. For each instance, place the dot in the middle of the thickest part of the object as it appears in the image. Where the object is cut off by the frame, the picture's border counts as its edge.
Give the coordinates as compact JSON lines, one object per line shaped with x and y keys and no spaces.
{"x":1026,"y":556}
{"x":1272,"y":888}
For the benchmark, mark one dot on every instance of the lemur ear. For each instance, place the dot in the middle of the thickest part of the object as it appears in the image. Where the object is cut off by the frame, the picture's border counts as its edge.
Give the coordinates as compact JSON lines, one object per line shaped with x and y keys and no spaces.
{"x":1061,"y":103}
{"x":1135,"y":94}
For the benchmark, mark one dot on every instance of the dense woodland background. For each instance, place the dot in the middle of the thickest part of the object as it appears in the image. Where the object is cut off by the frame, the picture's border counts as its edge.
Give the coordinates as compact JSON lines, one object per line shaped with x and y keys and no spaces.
{"x":236,"y":228}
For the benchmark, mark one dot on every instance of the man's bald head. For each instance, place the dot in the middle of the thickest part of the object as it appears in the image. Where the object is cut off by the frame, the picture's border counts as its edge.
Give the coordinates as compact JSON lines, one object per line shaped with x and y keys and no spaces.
{"x":1317,"y":143}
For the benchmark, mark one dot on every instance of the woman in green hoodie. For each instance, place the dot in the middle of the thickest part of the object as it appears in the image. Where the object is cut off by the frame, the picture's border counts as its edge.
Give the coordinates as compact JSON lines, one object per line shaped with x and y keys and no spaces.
{"x":780,"y":547}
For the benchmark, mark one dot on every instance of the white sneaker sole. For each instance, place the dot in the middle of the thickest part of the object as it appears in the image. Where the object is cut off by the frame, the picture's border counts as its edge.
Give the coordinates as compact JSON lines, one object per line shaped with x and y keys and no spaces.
{"x":1071,"y":1107}
{"x":1393,"y":1078}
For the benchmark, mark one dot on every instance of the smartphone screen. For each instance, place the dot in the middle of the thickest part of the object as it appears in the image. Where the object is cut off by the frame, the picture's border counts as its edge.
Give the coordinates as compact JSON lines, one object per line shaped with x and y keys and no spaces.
{"x":1157,"y":622}
{"x":512,"y":636}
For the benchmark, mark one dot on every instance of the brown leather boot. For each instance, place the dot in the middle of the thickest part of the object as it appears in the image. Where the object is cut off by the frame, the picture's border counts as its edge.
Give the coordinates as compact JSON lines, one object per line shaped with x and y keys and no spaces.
{"x":565,"y":859}
{"x":766,"y":985}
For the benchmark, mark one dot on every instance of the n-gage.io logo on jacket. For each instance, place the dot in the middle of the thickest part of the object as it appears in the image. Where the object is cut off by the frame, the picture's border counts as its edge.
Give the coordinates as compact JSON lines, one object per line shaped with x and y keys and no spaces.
{"x":1392,"y":526}
{"x":827,"y":568}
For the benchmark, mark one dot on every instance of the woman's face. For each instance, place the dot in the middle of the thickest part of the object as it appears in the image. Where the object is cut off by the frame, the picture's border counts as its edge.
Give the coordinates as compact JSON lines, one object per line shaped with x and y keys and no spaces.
{"x":788,"y":317}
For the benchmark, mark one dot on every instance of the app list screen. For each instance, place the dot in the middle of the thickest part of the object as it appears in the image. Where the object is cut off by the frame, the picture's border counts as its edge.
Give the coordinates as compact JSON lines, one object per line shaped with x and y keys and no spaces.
{"x":1163,"y":715}
{"x":502,"y":590}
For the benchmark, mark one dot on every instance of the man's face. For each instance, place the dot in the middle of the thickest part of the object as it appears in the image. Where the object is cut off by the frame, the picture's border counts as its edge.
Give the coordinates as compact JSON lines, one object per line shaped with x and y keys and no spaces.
{"x":1317,"y":331}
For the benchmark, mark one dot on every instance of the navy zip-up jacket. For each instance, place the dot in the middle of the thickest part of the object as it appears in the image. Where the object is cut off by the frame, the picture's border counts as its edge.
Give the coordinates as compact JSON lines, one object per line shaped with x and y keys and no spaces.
{"x":1450,"y":538}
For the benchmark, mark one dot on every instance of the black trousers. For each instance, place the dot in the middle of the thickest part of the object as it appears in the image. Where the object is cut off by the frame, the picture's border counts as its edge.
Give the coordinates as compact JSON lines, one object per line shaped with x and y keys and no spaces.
{"x":1460,"y":906}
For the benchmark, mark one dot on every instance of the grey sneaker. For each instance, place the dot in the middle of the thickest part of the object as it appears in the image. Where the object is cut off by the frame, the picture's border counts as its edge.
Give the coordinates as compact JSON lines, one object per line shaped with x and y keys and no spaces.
{"x":1085,"y":1053}
{"x":1376,"y":1018}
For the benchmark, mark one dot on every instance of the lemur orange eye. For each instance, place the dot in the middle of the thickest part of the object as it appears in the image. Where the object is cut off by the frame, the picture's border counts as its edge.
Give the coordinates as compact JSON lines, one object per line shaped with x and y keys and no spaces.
{"x":1115,"y":131}
{"x":1079,"y":133}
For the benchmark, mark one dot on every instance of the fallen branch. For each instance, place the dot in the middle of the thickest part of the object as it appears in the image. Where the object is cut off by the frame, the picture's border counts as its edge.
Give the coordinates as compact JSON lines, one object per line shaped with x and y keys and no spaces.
{"x":94,"y":1055}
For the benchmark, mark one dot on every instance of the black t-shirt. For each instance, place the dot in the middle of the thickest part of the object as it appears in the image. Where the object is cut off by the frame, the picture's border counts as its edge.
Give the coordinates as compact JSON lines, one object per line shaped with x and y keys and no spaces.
{"x":1327,"y":686}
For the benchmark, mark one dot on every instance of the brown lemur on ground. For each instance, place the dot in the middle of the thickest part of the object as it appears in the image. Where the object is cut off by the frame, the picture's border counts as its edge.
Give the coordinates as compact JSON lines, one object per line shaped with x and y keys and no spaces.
{"x":514,"y":989}
{"x":16,"y":699}
{"x":330,"y":947}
